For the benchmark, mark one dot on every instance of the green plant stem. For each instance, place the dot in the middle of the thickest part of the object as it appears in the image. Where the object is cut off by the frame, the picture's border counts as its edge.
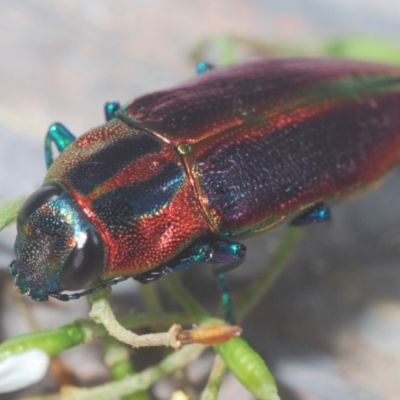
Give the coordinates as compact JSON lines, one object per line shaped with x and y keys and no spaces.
{"x":214,"y":382}
{"x":51,"y":341}
{"x":253,"y":294}
{"x":140,"y":381}
{"x":102,"y":313}
{"x":151,"y":299}
{"x":54,"y":341}
{"x":154,"y":320}
{"x":178,"y":291}
{"x":117,"y":359}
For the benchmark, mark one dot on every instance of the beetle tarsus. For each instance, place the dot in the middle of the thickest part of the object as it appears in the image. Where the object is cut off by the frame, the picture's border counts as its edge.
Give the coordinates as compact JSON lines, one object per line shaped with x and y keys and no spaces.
{"x":203,"y":67}
{"x":61,"y":137}
{"x":318,"y":213}
{"x":110,"y":108}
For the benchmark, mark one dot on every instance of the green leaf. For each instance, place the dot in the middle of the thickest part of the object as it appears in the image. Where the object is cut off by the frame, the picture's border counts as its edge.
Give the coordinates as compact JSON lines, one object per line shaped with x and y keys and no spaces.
{"x":9,"y":211}
{"x":249,"y":368}
{"x":50,"y":341}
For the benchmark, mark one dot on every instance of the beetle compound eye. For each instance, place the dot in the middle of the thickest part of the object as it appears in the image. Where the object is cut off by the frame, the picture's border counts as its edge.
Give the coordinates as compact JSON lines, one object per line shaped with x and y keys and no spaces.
{"x":85,"y":263}
{"x":37,"y":199}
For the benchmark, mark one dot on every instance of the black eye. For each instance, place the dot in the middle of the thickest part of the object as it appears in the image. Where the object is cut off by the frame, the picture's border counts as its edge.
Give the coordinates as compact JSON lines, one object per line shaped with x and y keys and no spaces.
{"x":42,"y":196}
{"x":85,"y":263}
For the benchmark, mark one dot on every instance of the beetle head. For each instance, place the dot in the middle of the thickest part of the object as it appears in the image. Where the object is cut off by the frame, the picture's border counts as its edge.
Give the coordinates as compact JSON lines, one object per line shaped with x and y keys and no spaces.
{"x":57,"y":248}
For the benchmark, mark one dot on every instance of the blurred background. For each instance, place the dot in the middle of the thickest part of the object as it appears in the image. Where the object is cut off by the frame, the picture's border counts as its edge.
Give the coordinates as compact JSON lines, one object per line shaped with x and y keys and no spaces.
{"x":330,"y":327}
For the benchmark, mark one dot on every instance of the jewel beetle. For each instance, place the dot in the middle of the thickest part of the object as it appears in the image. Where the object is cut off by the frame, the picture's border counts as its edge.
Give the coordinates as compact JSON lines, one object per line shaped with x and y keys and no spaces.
{"x":176,"y":177}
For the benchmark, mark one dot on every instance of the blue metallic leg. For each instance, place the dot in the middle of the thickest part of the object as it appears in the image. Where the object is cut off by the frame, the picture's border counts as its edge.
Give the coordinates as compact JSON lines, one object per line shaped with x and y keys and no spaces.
{"x":212,"y":250}
{"x":318,"y":213}
{"x":225,"y":252}
{"x":110,"y":109}
{"x":228,"y":255}
{"x":61,"y":137}
{"x":196,"y":253}
{"x":215,"y":251}
{"x":226,"y":299}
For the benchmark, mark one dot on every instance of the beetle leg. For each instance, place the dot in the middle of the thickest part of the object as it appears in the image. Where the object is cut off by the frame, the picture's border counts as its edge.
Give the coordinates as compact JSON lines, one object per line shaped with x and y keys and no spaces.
{"x":153,"y":275}
{"x":60,"y":136}
{"x":226,"y":252}
{"x":203,"y":67}
{"x":211,"y":250}
{"x":110,"y":109}
{"x":229,"y":255}
{"x":198,"y":252}
{"x":318,"y":213}
{"x":226,"y":299}
{"x":215,"y":251}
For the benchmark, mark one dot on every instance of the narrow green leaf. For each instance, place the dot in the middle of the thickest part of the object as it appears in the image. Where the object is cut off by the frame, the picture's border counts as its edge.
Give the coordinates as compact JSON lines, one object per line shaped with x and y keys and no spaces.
{"x":249,"y":368}
{"x":52,"y":342}
{"x":9,"y":211}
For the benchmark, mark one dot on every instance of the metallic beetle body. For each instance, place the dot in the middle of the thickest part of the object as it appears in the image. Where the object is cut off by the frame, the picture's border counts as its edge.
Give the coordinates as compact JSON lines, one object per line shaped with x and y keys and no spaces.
{"x":231,"y":153}
{"x":271,"y":137}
